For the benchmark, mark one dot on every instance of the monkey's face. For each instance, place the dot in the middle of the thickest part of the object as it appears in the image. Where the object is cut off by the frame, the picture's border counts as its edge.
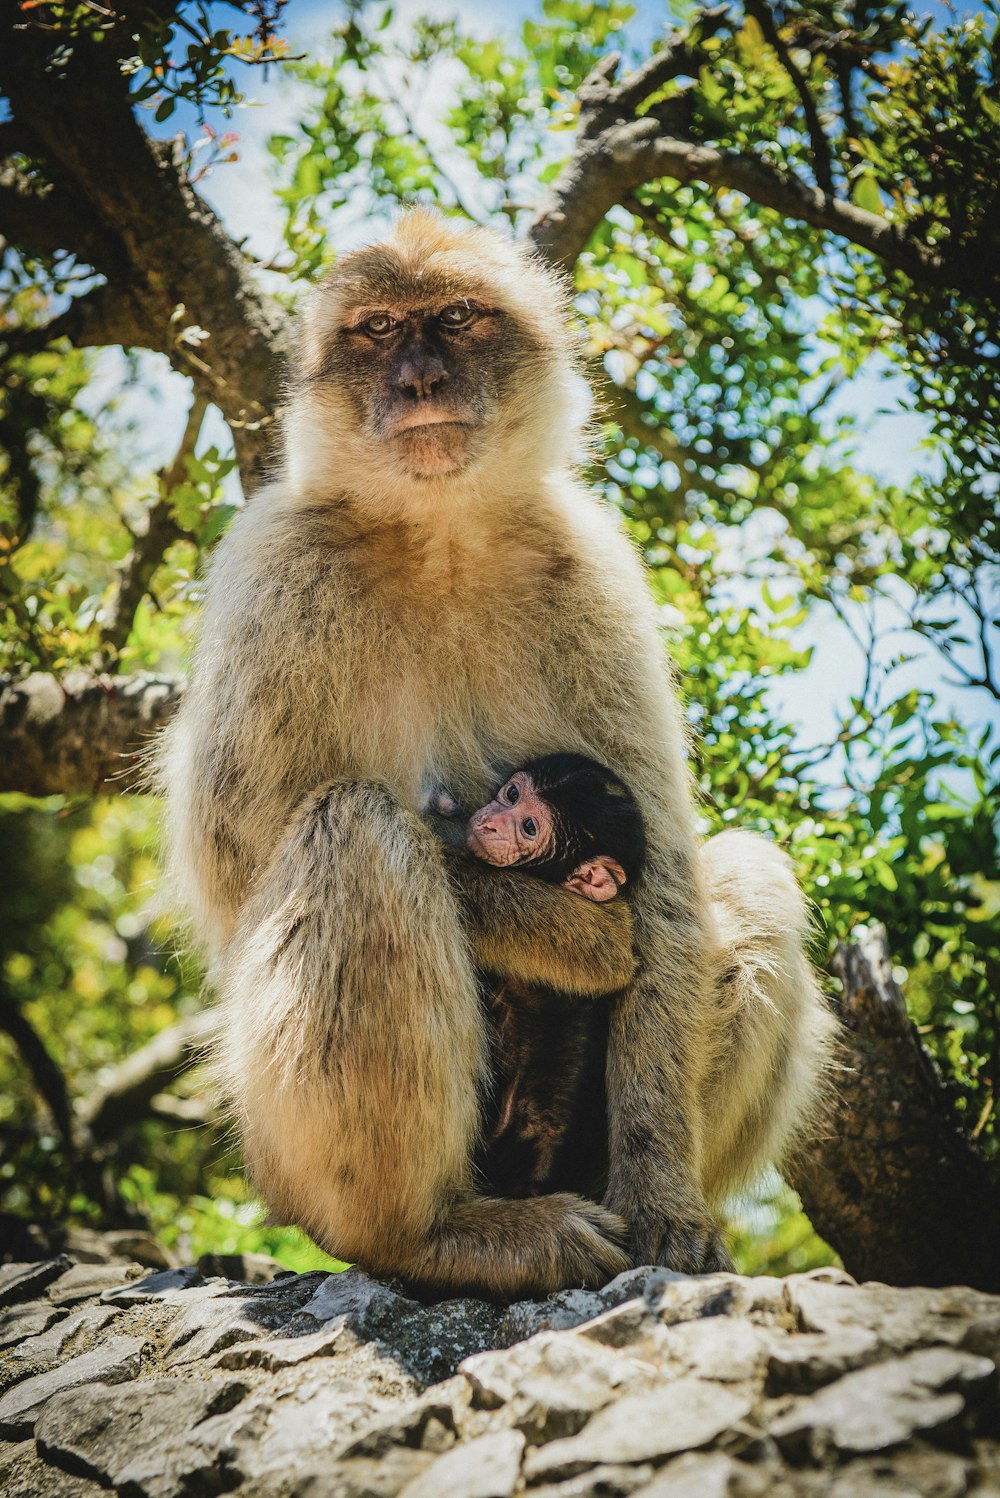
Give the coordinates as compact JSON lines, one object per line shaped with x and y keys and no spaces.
{"x":427,"y":378}
{"x":516,"y":827}
{"x":442,"y":352}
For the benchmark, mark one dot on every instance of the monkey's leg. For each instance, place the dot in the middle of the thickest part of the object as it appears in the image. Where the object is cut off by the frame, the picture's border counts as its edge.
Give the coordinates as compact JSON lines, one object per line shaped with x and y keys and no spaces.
{"x":771,"y":1029}
{"x":656,"y":1055}
{"x":352,"y":1047}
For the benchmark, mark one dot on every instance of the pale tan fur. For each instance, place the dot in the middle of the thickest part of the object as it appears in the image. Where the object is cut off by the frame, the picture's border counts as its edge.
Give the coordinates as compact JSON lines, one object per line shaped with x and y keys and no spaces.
{"x":366,"y":636}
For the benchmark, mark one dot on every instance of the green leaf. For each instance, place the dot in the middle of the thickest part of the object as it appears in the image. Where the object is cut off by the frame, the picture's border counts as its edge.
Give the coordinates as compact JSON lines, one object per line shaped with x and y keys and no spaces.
{"x":865,"y":192}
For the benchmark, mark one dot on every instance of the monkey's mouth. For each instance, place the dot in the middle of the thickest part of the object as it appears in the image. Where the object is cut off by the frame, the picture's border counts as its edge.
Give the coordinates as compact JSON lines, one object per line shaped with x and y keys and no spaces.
{"x":431,"y":443}
{"x":418,"y":421}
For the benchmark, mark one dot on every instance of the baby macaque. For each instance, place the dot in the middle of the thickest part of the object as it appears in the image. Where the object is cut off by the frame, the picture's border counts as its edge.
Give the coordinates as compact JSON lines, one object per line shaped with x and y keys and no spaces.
{"x":564,"y":818}
{"x":569,"y":820}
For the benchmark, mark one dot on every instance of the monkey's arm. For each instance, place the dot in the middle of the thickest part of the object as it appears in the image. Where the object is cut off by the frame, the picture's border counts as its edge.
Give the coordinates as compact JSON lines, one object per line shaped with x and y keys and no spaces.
{"x":537,"y":933}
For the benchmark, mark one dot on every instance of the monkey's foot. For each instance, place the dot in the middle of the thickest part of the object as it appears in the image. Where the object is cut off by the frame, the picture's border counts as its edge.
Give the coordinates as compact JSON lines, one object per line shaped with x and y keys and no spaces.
{"x":591,"y":1242}
{"x":692,"y":1245}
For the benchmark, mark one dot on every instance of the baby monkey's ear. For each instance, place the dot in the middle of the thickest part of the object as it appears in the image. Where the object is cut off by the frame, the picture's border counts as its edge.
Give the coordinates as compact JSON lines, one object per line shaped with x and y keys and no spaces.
{"x":597,"y":879}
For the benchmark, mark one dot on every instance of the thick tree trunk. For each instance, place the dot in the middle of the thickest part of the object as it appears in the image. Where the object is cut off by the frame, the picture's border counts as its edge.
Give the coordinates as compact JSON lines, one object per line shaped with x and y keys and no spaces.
{"x":891,"y":1180}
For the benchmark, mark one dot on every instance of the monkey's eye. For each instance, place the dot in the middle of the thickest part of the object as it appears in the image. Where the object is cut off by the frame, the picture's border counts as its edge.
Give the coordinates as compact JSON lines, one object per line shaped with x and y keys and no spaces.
{"x":529,"y":827}
{"x":456,"y":315}
{"x":511,"y":794}
{"x":379,"y":324}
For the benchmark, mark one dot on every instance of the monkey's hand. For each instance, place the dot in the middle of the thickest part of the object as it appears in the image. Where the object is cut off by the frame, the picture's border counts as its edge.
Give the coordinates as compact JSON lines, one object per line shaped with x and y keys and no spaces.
{"x":537,"y":933}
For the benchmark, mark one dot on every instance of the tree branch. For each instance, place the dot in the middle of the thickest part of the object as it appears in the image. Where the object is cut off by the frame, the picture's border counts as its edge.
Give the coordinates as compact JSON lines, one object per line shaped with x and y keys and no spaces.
{"x":128,"y":1093}
{"x":99,"y":317}
{"x":617,"y":152}
{"x":165,"y":252}
{"x":893,"y":1183}
{"x":136,"y":571}
{"x":80,"y":734}
{"x":39,"y":220}
{"x":604,"y":170}
{"x":681,"y":55}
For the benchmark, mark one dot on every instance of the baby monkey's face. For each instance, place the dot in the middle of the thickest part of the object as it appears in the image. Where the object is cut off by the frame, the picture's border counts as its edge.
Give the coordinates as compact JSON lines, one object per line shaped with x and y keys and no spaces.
{"x":516,"y":827}
{"x":520,"y":827}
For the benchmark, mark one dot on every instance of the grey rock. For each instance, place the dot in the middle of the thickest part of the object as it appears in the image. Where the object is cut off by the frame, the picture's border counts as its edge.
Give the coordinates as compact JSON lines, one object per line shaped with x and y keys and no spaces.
{"x":208,"y":1325}
{"x":250,"y":1269}
{"x":305,"y":1430}
{"x":188,"y":1382}
{"x":799,"y":1364}
{"x":680,"y":1417}
{"x":115,"y":1361}
{"x":881,"y":1406}
{"x":24,"y":1474}
{"x":429,"y":1422}
{"x":155,"y":1285}
{"x":675,"y":1298}
{"x":730,"y":1350}
{"x":606,"y":1481}
{"x":26,"y":1281}
{"x":708,"y":1475}
{"x":902,"y":1319}
{"x":139,"y":1435}
{"x":920,"y":1472}
{"x":120,"y":1246}
{"x":26,"y":1321}
{"x":553,"y":1383}
{"x":487,"y":1467}
{"x":83,"y":1281}
{"x":361,"y":1477}
{"x":287,"y":1352}
{"x":71,"y":1331}
{"x":354,"y":1294}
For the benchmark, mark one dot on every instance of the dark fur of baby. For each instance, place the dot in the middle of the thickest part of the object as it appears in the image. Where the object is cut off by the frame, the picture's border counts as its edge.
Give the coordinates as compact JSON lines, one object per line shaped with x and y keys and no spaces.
{"x":569,"y":820}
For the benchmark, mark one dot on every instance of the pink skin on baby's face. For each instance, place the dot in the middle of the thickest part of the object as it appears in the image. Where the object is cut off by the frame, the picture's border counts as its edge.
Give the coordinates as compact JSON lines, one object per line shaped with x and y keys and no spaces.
{"x":514,"y":827}
{"x":517,"y":827}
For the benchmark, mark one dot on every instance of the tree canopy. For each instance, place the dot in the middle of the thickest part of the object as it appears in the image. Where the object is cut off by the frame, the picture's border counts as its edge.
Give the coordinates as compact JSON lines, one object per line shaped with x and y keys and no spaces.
{"x":766,"y":213}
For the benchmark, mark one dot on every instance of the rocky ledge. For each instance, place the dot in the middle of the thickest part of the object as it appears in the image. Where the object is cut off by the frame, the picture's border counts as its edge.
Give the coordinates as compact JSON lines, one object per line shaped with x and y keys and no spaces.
{"x":231,"y":1376}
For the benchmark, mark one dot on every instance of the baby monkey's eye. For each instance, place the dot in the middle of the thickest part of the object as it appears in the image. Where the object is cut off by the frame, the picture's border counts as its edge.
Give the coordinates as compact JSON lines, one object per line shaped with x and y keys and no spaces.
{"x":456,"y":315}
{"x":529,"y":827}
{"x":511,"y":794}
{"x":379,"y":324}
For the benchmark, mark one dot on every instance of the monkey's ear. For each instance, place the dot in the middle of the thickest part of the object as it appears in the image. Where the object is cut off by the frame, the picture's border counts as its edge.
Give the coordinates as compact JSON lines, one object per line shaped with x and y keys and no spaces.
{"x":597,"y":879}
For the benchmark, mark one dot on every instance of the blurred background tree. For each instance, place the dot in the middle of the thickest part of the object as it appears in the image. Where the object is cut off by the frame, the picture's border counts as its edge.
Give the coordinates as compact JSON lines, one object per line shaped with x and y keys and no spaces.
{"x":775,"y":217}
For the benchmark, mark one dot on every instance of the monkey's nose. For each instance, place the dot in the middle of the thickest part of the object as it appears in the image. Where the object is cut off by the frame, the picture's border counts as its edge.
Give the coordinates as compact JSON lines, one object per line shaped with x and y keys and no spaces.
{"x":422,"y":378}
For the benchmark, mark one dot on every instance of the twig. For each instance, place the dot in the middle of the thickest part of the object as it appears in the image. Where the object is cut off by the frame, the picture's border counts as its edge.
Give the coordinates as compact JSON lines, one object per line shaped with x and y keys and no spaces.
{"x":45,"y":1072}
{"x":136,"y":571}
{"x":763,"y":14}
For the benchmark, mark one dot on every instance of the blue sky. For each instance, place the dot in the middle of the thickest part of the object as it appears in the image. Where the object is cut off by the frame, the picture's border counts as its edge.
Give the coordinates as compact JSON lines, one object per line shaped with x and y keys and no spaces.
{"x":887,"y":437}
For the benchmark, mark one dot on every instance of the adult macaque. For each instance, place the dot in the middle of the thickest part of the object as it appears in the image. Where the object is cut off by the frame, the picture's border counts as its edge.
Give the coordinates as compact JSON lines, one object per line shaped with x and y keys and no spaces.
{"x":567,"y":819}
{"x":426,"y":592}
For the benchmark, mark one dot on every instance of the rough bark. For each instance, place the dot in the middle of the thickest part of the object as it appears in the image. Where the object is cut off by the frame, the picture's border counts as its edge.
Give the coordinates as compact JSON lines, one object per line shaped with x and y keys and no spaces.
{"x":891,"y":1180}
{"x":79,"y":734}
